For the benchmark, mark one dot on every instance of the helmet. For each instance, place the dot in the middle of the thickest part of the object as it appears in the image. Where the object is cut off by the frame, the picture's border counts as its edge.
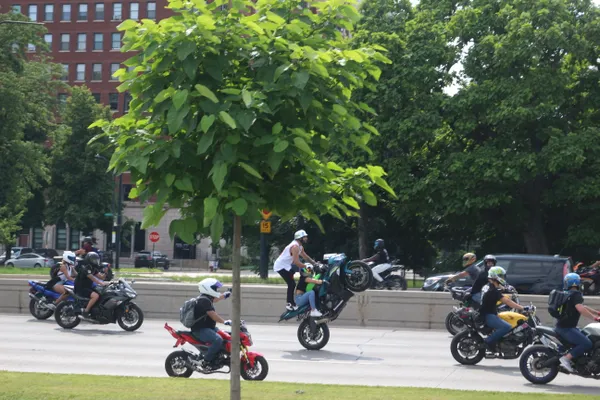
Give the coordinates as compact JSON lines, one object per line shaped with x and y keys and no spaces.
{"x":309,"y":268}
{"x":69,"y":257}
{"x":87,"y":239}
{"x":92,"y":258}
{"x":210,"y":287}
{"x":570,"y":280}
{"x":300,"y":234}
{"x":379,"y":244}
{"x":497,"y":274}
{"x":489,"y":257}
{"x":468,"y":259}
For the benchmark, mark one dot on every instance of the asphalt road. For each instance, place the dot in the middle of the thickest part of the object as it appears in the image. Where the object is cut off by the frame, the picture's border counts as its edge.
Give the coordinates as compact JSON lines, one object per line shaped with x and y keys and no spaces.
{"x":384,"y":357}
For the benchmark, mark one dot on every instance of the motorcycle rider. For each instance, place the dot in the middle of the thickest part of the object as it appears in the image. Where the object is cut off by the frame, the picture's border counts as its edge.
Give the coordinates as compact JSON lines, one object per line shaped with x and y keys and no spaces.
{"x":566,"y":327}
{"x":86,"y":276}
{"x":204,"y":329}
{"x":380,"y":258}
{"x":64,"y":276}
{"x":302,"y":296}
{"x":468,"y":262}
{"x":489,"y":261}
{"x":489,"y":311}
{"x":288,"y":263}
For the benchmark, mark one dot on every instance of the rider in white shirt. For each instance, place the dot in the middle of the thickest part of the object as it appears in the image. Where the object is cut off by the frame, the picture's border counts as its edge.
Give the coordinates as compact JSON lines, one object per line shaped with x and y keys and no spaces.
{"x":288,"y":263}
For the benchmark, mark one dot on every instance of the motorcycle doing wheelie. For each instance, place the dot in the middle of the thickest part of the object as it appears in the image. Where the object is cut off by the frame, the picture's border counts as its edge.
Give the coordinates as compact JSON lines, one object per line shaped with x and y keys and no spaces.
{"x":540,"y":363}
{"x":114,"y":306}
{"x":468,"y":348}
{"x":454,"y":323}
{"x":182,"y":363}
{"x":341,"y":279}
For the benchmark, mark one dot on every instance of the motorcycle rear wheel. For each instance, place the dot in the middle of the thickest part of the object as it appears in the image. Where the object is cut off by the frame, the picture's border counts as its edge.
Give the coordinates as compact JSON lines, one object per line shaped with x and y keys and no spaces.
{"x":65,"y":315}
{"x":258,"y":373}
{"x":310,"y":342}
{"x":176,"y":365}
{"x":528,"y":363}
{"x":395,"y":282}
{"x":462,"y":340}
{"x":454,"y":324}
{"x":361,"y":277}
{"x":38,"y":311}
{"x":137,"y":318}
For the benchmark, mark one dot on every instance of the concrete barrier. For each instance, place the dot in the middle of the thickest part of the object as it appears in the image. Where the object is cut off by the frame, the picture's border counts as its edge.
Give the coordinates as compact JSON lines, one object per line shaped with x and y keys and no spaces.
{"x":265,"y":303}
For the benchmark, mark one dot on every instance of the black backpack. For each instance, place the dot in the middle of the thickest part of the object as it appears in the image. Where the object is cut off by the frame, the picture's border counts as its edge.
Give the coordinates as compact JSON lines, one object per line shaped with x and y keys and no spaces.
{"x":54,"y":270}
{"x":556,"y":303}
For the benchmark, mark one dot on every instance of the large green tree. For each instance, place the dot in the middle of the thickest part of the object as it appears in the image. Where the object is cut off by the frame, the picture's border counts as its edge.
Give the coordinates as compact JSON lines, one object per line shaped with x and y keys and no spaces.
{"x":235,"y":110}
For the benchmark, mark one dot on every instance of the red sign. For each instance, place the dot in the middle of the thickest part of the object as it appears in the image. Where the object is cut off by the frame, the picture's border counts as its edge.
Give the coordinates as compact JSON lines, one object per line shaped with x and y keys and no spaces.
{"x":154,"y":237}
{"x":265,"y":213}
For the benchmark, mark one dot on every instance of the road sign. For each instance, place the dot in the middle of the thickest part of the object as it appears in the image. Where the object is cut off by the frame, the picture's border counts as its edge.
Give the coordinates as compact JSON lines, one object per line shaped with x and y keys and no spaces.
{"x":154,"y":237}
{"x":108,"y":214}
{"x":265,"y":226}
{"x":266,"y":214}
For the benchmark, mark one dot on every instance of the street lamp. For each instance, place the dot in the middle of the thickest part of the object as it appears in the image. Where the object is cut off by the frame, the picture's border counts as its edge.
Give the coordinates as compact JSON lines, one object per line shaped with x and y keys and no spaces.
{"x":116,"y":234}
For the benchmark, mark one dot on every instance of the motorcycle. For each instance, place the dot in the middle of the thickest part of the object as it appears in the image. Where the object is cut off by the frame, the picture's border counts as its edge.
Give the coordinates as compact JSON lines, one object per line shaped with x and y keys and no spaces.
{"x":114,"y":306}
{"x":590,"y":279}
{"x":40,"y":297}
{"x":182,"y":363}
{"x":468,"y":348}
{"x":540,"y":363}
{"x":454,"y":323}
{"x":391,"y":281}
{"x":341,"y":279}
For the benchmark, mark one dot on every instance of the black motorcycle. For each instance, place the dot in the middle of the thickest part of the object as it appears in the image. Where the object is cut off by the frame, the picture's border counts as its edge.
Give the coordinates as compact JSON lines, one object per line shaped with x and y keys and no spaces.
{"x":468,"y":348}
{"x":114,"y":306}
{"x":540,"y":363}
{"x":391,"y":279}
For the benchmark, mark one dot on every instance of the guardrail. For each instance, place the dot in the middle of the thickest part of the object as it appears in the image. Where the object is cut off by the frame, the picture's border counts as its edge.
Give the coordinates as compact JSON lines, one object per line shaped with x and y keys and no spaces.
{"x":265,"y":303}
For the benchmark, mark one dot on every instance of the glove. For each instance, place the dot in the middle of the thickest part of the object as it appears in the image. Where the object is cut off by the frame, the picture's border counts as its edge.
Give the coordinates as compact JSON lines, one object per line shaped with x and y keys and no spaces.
{"x":227,"y":294}
{"x":527,"y":309}
{"x":228,"y":322}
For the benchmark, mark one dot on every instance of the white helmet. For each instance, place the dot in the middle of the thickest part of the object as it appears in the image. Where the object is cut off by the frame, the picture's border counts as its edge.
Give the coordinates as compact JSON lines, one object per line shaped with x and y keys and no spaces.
{"x":210,"y":287}
{"x":69,"y":257}
{"x":300,"y":234}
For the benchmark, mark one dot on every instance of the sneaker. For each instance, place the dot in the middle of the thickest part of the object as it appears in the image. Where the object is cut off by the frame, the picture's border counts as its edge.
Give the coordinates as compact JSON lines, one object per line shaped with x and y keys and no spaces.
{"x":86,"y":314}
{"x":566,"y":363}
{"x":315,"y":313}
{"x":207,"y":365}
{"x":291,"y":307}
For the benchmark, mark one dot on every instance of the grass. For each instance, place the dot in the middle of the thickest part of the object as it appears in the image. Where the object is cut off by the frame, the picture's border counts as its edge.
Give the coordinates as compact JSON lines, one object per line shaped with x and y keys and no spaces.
{"x":38,"y":386}
{"x":24,"y":271}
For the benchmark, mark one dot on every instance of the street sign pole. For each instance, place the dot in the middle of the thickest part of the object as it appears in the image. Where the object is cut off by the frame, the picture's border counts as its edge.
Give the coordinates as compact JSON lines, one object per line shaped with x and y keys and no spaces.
{"x":154,"y":237}
{"x":264,"y":248}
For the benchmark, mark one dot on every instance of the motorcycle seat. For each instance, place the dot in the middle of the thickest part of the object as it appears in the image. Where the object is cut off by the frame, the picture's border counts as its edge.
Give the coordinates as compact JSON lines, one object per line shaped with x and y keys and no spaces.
{"x":548,"y":331}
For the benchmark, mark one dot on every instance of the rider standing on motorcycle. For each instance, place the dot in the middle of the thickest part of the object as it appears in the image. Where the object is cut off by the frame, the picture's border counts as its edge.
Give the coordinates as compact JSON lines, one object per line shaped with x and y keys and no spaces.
{"x":205,"y":327}
{"x":85,"y":280}
{"x":468,"y":262}
{"x":302,"y":296}
{"x":380,"y":258}
{"x":489,"y":261}
{"x":489,"y":311}
{"x":64,"y":275}
{"x":566,"y":327}
{"x":288,"y":263}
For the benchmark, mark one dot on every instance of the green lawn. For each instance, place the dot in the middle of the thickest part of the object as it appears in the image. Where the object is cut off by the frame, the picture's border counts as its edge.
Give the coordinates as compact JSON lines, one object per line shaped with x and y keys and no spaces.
{"x":37,"y":386}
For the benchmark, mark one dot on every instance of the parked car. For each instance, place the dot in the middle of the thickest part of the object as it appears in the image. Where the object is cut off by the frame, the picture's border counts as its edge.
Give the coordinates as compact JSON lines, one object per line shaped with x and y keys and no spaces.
{"x":527,"y":273}
{"x":15,"y":252}
{"x":151,"y":259}
{"x":30,"y":260}
{"x":47,"y":253}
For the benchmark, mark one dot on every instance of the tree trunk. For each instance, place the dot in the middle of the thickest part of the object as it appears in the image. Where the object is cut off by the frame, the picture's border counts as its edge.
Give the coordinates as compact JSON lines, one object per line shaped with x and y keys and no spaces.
{"x":235,"y":389}
{"x":362,"y":233}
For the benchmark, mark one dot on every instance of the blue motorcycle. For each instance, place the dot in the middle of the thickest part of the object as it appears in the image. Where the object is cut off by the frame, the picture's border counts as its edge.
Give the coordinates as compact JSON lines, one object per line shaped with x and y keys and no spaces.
{"x":40,"y":296}
{"x":341,"y":279}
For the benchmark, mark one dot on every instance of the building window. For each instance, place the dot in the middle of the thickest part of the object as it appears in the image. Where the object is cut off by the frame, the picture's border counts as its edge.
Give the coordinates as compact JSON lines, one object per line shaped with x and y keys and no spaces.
{"x":126,"y":101}
{"x":74,"y":240}
{"x":33,"y":12}
{"x":80,"y":76}
{"x":49,"y":12}
{"x":114,"y":67}
{"x":61,"y":237}
{"x":65,"y":76}
{"x":96,"y":97}
{"x":117,"y":11}
{"x":65,"y":38}
{"x":98,"y":41}
{"x":38,"y":238}
{"x":113,"y":100}
{"x":66,"y":12}
{"x":81,"y":41}
{"x":96,"y":72}
{"x":134,"y":11}
{"x":48,"y":40}
{"x":31,"y":47}
{"x":16,"y":8}
{"x":99,"y":12}
{"x":82,"y":15}
{"x":116,"y":41}
{"x":151,"y":10}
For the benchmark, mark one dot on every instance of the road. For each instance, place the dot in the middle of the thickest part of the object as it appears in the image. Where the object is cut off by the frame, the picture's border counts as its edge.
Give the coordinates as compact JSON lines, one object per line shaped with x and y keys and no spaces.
{"x":384,"y":357}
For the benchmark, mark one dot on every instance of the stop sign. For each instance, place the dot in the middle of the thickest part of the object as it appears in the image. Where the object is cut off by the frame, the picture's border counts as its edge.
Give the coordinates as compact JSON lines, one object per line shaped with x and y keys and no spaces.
{"x":154,"y":237}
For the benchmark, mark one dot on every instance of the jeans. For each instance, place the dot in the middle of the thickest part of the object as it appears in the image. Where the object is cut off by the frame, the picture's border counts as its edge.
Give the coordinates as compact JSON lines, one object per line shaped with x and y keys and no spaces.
{"x":209,"y":335}
{"x":288,"y":277}
{"x":308,"y":297}
{"x":575,"y":336}
{"x":476,"y":298}
{"x":500,"y":327}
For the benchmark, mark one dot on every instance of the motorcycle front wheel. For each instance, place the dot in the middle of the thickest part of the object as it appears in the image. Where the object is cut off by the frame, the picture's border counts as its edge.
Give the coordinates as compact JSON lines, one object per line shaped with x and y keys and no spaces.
{"x":177,"y":366}
{"x":65,"y":315}
{"x":531,"y":367}
{"x":131,"y":318}
{"x":465,"y":348}
{"x":258,"y":373}
{"x":360,"y":276}
{"x":311,"y":341}
{"x":454,"y":324}
{"x":38,"y":311}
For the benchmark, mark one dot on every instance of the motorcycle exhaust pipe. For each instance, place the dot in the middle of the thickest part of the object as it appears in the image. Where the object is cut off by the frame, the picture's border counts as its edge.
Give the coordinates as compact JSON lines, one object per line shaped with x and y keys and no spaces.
{"x":550,"y":362}
{"x":34,"y":297}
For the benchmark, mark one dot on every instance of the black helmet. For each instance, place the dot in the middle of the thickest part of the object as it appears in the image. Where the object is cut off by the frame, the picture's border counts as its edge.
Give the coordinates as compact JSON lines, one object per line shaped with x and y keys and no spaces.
{"x":92,"y":259}
{"x":379,"y":244}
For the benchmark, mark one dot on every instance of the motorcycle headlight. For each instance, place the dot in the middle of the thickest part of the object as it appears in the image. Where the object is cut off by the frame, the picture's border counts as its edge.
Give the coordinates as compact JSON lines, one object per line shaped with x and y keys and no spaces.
{"x":431,"y":281}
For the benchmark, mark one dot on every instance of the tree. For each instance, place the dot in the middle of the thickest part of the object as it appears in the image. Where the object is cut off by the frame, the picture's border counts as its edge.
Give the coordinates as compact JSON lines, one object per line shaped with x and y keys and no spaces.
{"x":81,"y":190}
{"x":235,"y":111}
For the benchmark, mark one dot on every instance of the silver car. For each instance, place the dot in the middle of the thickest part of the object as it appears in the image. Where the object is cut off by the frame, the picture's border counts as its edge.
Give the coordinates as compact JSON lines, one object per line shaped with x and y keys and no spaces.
{"x":29,"y":260}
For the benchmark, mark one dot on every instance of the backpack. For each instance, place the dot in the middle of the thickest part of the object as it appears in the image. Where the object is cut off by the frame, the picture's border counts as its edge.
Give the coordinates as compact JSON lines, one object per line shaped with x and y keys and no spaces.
{"x":186,"y":313}
{"x":54,"y":270}
{"x":556,"y":302}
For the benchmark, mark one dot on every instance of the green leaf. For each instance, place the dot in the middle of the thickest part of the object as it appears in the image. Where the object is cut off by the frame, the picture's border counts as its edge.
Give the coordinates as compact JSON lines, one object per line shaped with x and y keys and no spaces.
{"x":369,"y":197}
{"x":184,"y":184}
{"x":163,"y":95}
{"x":275,"y":160}
{"x":225,"y":117}
{"x":234,"y":138}
{"x":231,"y":91}
{"x":254,"y":27}
{"x":351,"y":202}
{"x":140,"y":163}
{"x":280,"y":70}
{"x":206,"y":22}
{"x":179,"y":98}
{"x":339,"y":109}
{"x":374,"y":71}
{"x":160,"y":158}
{"x":206,"y":92}
{"x":176,"y":148}
{"x":152,"y":215}
{"x":245,"y":119}
{"x":302,"y":145}
{"x":320,"y":69}
{"x":334,"y":167}
{"x":210,"y":209}
{"x":239,"y":206}
{"x":384,"y":185}
{"x":300,"y":79}
{"x":185,"y":49}
{"x":247,"y":97}
{"x":216,"y":228}
{"x":169,"y":179}
{"x":280,"y":146}
{"x":271,"y":16}
{"x":127,"y":24}
{"x":250,"y":170}
{"x":185,"y":229}
{"x":219,"y":171}
{"x":205,"y":142}
{"x":206,"y":122}
{"x":371,"y":128}
{"x":276,"y":128}
{"x":365,"y":106}
{"x":190,"y":66}
{"x":175,"y":118}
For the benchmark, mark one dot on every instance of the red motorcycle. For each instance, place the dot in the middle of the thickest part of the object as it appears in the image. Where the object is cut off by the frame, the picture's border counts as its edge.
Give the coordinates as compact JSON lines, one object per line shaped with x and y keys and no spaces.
{"x":182,"y":363}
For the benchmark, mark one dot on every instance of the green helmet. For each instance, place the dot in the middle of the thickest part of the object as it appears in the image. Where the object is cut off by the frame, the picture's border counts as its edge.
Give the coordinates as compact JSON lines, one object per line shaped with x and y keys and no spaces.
{"x":498,"y":274}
